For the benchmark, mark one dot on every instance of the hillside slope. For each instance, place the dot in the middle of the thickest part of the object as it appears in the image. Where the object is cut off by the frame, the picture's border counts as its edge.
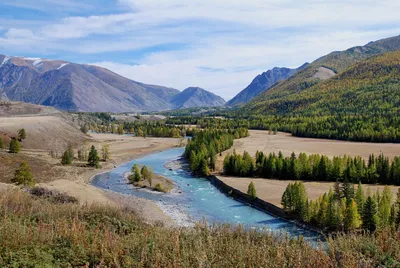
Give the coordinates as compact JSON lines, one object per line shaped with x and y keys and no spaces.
{"x":367,"y":88}
{"x":324,"y":68}
{"x":46,"y":127}
{"x":262,"y":83}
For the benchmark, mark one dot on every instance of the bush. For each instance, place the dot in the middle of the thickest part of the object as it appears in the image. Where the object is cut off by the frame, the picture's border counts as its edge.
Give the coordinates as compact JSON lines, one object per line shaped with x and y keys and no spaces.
{"x":159,"y":187}
{"x":53,"y":196}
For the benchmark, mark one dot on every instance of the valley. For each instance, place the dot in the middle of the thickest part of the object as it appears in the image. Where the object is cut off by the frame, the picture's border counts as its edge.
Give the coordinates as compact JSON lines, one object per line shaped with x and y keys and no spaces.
{"x":299,"y":169}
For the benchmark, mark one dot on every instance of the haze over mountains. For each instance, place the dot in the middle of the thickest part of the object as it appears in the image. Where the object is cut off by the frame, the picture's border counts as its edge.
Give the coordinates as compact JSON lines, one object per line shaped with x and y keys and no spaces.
{"x":87,"y":88}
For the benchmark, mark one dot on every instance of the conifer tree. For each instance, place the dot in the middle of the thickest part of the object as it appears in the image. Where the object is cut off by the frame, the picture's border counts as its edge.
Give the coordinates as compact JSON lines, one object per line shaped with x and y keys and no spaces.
{"x":251,"y":191}
{"x":15,"y":146}
{"x":93,"y":158}
{"x":21,"y":134}
{"x":384,"y":207}
{"x":135,"y":177}
{"x":369,"y":220}
{"x":359,"y":197}
{"x":398,"y":209}
{"x":352,"y":219}
{"x":23,"y":175}
{"x":66,"y":159}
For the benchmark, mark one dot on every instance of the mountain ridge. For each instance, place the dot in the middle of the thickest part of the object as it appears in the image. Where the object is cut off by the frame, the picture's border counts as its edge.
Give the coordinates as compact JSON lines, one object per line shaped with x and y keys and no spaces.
{"x":336,"y":61}
{"x":80,"y":87}
{"x":196,"y":97}
{"x":263,"y":82}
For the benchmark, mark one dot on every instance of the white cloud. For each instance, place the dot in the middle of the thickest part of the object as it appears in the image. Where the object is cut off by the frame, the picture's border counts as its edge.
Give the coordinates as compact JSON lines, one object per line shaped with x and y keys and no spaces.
{"x":216,"y":44}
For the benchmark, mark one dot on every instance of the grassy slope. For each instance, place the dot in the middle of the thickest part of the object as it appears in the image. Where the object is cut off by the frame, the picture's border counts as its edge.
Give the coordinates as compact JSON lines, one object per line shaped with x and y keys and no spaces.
{"x":35,"y":232}
{"x":370,"y":86}
{"x":337,"y":61}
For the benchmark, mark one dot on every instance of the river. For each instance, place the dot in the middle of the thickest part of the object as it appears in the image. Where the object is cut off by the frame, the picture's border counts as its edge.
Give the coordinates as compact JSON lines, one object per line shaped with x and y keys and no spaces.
{"x":195,"y":199}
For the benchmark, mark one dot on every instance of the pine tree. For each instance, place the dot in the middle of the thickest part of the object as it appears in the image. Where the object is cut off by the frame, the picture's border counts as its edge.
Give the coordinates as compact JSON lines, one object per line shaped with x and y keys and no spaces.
{"x":147,"y":174}
{"x":352,"y":219}
{"x":398,"y":209}
{"x":337,"y":188}
{"x":251,"y":191}
{"x":15,"y":146}
{"x":21,"y":134}
{"x":348,"y":190}
{"x":136,"y":174}
{"x":23,"y":175}
{"x":68,"y":156}
{"x":369,"y":220}
{"x":360,"y":198}
{"x":93,"y":158}
{"x":66,"y":159}
{"x":385,"y":207}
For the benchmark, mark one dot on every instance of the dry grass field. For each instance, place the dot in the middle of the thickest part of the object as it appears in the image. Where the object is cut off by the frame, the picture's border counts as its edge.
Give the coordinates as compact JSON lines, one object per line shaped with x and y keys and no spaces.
{"x":260,"y":140}
{"x":272,"y":190}
{"x":50,"y":130}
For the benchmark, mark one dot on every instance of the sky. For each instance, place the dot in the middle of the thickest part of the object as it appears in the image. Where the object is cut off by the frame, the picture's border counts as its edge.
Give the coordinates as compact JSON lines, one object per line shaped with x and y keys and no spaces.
{"x":219,"y":45}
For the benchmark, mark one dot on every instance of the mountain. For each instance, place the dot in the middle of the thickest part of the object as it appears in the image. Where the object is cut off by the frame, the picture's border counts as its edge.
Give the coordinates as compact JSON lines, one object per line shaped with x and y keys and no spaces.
{"x":322,"y":69}
{"x":263,"y":82}
{"x":370,"y":87}
{"x":196,"y":97}
{"x":80,"y":87}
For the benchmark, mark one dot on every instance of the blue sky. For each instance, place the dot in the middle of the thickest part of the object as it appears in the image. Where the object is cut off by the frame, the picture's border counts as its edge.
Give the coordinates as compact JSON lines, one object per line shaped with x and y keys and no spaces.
{"x":220,"y":45}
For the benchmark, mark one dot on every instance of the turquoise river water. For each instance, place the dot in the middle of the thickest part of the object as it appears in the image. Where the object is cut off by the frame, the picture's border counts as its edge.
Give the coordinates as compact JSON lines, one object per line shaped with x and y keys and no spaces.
{"x":195,"y":197}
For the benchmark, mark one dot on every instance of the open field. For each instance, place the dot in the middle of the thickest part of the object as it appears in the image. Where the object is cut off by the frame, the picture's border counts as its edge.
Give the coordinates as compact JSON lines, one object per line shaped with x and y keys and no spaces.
{"x":272,"y":190}
{"x":260,"y":140}
{"x":73,"y":180}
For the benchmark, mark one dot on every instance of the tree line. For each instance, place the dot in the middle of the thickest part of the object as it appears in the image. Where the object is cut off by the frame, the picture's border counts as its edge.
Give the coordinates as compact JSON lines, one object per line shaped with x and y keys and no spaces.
{"x":315,"y":167}
{"x":344,"y":208}
{"x":375,"y":127}
{"x":138,"y":128}
{"x":201,"y":150}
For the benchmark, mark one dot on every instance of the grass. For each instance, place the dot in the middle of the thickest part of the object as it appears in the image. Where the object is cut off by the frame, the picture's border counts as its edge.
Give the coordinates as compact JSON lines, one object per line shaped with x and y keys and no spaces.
{"x":35,"y":232}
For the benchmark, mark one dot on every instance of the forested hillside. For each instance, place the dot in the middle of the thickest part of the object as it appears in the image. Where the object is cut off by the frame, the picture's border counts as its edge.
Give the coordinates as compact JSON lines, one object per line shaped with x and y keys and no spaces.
{"x":361,"y":103}
{"x":369,"y":87}
{"x":326,"y":66}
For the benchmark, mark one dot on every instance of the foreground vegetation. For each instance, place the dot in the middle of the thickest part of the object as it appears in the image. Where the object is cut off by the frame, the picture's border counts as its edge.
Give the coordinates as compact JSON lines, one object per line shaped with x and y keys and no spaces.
{"x":39,"y":232}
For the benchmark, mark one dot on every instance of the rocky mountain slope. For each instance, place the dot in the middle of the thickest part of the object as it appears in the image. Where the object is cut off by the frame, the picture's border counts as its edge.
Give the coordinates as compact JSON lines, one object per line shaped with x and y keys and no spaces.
{"x":80,"y":87}
{"x":262,"y":83}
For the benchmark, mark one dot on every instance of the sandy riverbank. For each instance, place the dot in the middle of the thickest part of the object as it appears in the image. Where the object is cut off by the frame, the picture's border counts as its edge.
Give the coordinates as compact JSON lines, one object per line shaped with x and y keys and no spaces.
{"x":123,"y":149}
